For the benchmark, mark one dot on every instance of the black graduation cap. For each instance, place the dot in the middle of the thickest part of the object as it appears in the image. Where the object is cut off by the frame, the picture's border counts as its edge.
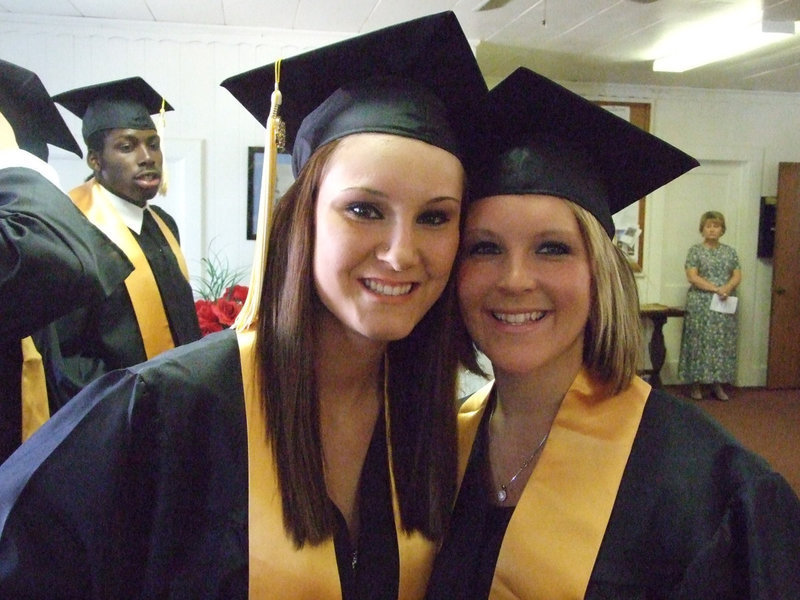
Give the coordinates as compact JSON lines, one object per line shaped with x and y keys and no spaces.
{"x":540,"y":138}
{"x":417,"y":79}
{"x":121,"y":104}
{"x":31,"y":113}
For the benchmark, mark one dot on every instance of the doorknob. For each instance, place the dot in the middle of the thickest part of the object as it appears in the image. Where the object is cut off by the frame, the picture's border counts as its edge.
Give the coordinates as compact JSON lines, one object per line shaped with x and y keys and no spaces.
{"x":780,"y":291}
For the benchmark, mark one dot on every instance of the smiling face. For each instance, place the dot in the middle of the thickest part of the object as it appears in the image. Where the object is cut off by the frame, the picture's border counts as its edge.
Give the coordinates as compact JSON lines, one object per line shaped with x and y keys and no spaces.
{"x":387,"y":228}
{"x":524,"y":283}
{"x":129,"y":164}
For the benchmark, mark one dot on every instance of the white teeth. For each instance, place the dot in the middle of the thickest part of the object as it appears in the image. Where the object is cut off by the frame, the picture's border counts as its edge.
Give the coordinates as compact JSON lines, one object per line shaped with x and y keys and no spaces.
{"x":518,"y":318}
{"x":388,"y":290}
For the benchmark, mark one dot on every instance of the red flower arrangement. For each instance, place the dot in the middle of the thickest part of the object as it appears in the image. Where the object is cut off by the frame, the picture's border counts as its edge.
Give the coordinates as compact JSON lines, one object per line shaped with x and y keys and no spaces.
{"x":219,"y":314}
{"x":220,"y":298}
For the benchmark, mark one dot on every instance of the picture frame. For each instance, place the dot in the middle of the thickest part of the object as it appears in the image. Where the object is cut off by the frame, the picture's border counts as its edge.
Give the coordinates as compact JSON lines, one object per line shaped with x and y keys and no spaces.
{"x":629,"y":222}
{"x":255,"y":168}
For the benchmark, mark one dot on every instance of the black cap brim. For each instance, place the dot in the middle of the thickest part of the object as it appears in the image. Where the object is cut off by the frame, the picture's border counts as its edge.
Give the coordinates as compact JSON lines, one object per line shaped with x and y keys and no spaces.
{"x":27,"y":106}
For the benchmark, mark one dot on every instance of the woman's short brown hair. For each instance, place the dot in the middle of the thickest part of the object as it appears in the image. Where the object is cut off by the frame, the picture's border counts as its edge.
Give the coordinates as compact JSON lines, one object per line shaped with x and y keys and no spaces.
{"x":712,"y":215}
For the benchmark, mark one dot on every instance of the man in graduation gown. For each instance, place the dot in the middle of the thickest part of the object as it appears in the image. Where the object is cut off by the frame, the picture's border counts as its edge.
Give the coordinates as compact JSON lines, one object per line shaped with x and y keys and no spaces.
{"x":155,"y":310}
{"x":52,"y":259}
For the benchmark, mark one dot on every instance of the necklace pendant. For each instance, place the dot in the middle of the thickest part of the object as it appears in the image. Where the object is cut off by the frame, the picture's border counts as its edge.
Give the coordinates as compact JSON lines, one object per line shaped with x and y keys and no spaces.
{"x":502,"y":494}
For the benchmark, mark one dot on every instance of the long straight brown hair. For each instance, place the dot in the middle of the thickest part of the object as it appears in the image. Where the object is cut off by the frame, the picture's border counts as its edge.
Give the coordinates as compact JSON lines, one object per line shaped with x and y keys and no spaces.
{"x":421,"y":383}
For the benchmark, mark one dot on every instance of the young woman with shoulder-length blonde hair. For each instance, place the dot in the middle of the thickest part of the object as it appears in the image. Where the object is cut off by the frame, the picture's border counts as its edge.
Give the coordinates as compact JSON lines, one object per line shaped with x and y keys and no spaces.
{"x":577,"y":479}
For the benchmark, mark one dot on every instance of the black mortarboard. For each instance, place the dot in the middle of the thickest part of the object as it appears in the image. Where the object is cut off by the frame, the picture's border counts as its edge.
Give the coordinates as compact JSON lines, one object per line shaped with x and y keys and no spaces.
{"x":409,"y":79}
{"x":541,"y":138}
{"x":34,"y":118}
{"x":121,"y":104}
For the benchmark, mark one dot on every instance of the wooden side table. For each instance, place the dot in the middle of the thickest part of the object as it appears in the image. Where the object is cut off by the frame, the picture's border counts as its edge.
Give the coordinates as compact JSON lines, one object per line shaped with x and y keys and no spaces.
{"x":658,"y":314}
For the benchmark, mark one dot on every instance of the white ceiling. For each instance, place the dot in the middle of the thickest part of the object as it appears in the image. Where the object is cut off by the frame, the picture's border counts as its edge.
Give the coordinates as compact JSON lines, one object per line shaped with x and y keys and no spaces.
{"x":568,"y":40}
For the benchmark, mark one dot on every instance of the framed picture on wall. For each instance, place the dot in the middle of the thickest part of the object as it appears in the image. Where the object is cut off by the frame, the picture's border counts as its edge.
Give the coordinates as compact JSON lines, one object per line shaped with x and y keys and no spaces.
{"x":255,"y":168}
{"x":629,"y":222}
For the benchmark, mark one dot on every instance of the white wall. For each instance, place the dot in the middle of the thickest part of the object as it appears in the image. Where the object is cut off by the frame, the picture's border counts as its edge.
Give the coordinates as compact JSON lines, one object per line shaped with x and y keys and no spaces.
{"x":739,"y":137}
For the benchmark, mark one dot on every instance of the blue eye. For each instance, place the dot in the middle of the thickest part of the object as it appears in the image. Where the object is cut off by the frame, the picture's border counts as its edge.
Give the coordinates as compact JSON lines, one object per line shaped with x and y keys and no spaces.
{"x":364,"y":210}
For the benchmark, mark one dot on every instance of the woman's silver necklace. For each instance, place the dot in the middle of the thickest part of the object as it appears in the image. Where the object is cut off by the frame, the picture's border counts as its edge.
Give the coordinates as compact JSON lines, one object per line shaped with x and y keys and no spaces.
{"x":502,"y":493}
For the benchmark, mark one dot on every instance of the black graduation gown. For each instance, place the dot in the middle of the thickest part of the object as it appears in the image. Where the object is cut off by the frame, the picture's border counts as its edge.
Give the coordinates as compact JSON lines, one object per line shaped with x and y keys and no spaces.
{"x":52,"y":260}
{"x":138,"y":488}
{"x":104,"y":336}
{"x":696,"y":516}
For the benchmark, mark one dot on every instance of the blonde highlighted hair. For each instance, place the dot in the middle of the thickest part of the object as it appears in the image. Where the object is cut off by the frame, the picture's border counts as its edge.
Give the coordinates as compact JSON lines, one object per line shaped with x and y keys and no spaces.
{"x":612,"y":340}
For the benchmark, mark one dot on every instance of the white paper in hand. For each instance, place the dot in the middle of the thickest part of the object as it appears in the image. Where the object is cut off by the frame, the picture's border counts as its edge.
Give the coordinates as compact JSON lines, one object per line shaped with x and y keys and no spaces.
{"x":724,"y":306}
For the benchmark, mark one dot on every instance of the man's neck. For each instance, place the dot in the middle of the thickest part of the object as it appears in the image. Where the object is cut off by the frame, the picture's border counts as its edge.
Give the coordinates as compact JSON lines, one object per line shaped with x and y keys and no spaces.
{"x":131,"y":214}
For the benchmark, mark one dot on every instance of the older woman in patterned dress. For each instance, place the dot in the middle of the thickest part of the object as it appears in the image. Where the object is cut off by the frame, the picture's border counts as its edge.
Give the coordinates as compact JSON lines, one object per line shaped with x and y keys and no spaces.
{"x":708,"y":346}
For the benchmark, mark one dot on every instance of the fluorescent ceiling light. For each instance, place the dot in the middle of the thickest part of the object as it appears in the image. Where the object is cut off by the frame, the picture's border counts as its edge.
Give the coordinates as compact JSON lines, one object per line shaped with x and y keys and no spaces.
{"x":715,"y":42}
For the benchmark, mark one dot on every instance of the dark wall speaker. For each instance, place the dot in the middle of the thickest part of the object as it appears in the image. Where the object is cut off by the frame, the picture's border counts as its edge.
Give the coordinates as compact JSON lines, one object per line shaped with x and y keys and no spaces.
{"x":766,"y":227}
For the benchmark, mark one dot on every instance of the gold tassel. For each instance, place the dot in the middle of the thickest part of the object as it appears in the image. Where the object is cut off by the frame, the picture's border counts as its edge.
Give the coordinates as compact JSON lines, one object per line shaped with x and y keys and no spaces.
{"x":161,"y":126}
{"x":275,"y":134}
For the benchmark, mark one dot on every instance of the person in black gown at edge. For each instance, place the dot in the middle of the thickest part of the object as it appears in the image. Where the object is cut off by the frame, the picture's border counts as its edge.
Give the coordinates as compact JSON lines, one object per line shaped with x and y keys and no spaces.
{"x":311,"y":454}
{"x":579,"y":480}
{"x":52,"y":260}
{"x":154,"y":311}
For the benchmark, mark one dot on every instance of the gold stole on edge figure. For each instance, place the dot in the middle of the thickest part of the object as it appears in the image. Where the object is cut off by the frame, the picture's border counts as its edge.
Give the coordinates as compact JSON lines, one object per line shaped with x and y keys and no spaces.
{"x":560,"y":520}
{"x":277,"y":568}
{"x":148,"y":305}
{"x":33,"y":390}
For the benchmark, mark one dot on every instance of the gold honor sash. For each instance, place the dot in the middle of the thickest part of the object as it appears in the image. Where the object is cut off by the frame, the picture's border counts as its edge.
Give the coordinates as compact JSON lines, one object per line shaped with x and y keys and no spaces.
{"x":277,"y":568}
{"x":35,"y":408}
{"x":560,"y":520}
{"x":148,"y":306}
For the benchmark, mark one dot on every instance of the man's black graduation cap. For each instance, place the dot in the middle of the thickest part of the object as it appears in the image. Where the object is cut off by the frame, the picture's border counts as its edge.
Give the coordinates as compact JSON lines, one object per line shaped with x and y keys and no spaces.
{"x":121,"y":104}
{"x":540,"y":138}
{"x":417,"y":79}
{"x":31,"y":113}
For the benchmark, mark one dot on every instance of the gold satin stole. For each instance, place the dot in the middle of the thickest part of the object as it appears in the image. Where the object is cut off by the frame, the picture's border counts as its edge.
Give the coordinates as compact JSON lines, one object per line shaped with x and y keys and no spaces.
{"x":148,"y":305}
{"x":278,"y":569}
{"x":552,"y":541}
{"x":33,"y":390}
